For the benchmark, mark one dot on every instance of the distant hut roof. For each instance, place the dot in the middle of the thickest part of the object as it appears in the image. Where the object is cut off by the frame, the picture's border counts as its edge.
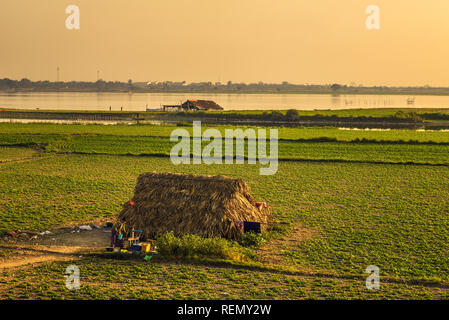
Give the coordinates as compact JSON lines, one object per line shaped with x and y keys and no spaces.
{"x":205,"y":104}
{"x":208,"y":206}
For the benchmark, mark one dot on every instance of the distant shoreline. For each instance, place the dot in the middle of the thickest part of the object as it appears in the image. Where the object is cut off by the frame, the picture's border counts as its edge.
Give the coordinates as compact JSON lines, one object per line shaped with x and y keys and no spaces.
{"x":252,"y":111}
{"x":323,"y":92}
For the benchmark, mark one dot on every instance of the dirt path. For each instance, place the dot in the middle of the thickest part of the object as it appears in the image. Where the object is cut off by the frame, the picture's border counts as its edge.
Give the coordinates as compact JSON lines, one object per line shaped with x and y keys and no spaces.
{"x":29,"y":257}
{"x":60,"y":246}
{"x":271,"y":252}
{"x":71,"y":243}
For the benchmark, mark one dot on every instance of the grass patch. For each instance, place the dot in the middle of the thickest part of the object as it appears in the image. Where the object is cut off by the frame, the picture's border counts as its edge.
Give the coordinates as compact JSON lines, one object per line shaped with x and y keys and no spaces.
{"x":362,"y":213}
{"x":115,"y":279}
{"x":394,"y":216}
{"x":16,"y":153}
{"x":251,"y":239}
{"x":192,"y":246}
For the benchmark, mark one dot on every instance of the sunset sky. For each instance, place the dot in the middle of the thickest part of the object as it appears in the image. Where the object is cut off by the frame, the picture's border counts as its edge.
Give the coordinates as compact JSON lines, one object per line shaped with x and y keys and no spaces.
{"x":319,"y":41}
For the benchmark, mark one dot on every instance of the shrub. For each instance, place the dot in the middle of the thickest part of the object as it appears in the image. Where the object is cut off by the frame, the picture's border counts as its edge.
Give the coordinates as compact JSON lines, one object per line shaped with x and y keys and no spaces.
{"x":408,"y":115}
{"x":251,"y":239}
{"x":292,"y":115}
{"x":184,"y":124}
{"x":194,"y":246}
{"x":276,"y":115}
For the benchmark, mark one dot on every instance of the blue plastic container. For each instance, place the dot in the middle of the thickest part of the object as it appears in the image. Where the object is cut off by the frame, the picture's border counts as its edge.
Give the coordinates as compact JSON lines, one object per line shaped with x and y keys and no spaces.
{"x":136,"y":248}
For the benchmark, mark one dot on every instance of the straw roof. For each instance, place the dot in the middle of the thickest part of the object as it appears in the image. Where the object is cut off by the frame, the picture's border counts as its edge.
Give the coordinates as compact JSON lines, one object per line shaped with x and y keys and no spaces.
{"x":203,"y":205}
{"x":203,"y":104}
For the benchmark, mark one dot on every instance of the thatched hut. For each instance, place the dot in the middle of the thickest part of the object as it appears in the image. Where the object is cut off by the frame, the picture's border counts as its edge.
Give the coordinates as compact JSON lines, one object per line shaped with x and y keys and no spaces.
{"x":208,"y":206}
{"x":200,"y":105}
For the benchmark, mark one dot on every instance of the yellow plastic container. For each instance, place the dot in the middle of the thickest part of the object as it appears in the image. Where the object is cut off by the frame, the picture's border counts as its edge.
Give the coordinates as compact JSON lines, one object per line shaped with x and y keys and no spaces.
{"x":146,"y":247}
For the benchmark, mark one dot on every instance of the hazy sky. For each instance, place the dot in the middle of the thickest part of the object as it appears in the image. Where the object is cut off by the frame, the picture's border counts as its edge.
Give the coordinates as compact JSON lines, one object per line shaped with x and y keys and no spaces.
{"x":313,"y":41}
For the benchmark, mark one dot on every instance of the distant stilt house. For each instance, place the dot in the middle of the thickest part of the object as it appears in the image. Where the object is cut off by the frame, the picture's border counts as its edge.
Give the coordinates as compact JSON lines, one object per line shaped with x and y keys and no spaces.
{"x":193,"y":105}
{"x":200,"y":105}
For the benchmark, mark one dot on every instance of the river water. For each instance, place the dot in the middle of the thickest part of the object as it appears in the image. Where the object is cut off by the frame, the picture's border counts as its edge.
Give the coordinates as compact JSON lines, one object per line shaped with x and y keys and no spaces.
{"x":142,"y":101}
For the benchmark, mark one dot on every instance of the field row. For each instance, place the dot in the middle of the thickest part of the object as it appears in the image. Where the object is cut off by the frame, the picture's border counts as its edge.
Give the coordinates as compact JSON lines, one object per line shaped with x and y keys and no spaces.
{"x":287,"y":150}
{"x":393,"y":216}
{"x":109,"y":279}
{"x":284,"y":133}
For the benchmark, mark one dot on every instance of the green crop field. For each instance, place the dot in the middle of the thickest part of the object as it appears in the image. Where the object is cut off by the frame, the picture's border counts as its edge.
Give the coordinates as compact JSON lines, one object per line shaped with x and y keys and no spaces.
{"x":381,"y":202}
{"x":284,"y":133}
{"x":323,"y":148}
{"x":11,"y":154}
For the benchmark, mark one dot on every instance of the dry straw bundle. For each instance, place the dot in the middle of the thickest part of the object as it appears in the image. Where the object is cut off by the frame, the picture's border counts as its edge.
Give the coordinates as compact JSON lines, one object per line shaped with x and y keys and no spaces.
{"x":207,"y":206}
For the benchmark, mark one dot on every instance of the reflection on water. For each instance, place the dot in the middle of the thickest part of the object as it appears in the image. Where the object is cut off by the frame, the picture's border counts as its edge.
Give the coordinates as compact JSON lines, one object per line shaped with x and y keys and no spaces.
{"x":366,"y":129}
{"x":156,"y":122}
{"x":64,"y":121}
{"x":151,"y":122}
{"x":141,"y":101}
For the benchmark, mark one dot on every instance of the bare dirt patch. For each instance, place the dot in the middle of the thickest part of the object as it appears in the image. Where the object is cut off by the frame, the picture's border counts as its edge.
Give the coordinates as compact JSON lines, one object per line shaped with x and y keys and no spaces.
{"x":271,"y":252}
{"x":56,"y":246}
{"x":97,"y":238}
{"x":26,"y":255}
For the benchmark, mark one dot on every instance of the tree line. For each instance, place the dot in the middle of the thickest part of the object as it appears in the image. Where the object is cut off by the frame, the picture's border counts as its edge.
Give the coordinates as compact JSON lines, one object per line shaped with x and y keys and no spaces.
{"x":209,"y":87}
